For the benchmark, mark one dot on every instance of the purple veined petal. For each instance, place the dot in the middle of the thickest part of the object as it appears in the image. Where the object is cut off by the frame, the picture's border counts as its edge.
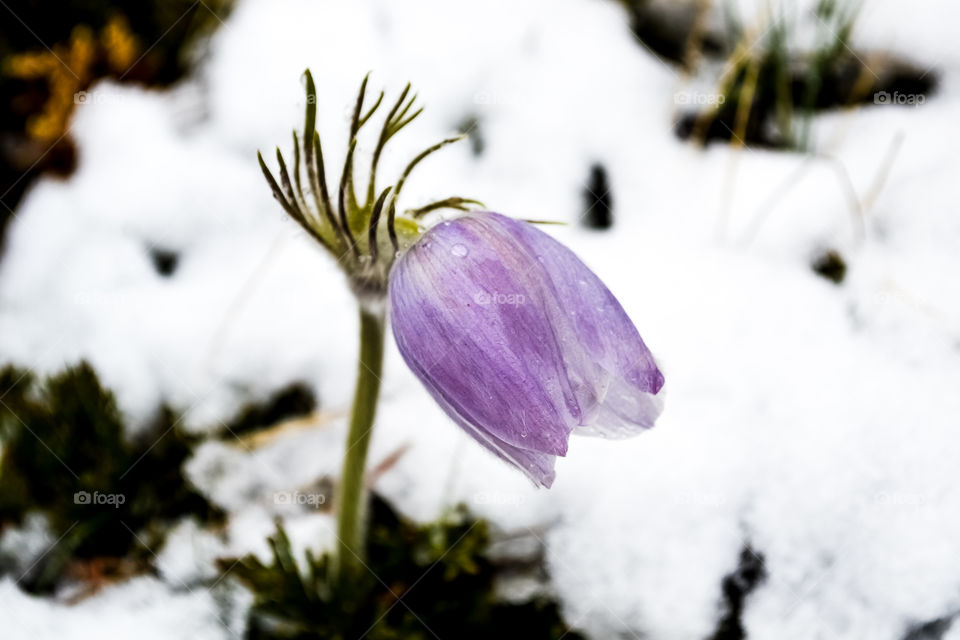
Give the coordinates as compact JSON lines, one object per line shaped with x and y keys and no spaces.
{"x":496,"y":360}
{"x":606,"y":357}
{"x":536,"y":465}
{"x":518,"y":341}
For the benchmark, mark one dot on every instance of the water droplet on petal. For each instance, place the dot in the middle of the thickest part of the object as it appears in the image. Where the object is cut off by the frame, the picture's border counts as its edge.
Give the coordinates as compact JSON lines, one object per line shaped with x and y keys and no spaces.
{"x":459,"y":250}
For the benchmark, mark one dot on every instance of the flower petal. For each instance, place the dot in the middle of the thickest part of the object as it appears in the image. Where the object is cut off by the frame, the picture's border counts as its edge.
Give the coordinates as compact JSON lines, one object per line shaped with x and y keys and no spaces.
{"x":518,"y":341}
{"x":611,"y":368}
{"x":497,"y":361}
{"x":536,"y":465}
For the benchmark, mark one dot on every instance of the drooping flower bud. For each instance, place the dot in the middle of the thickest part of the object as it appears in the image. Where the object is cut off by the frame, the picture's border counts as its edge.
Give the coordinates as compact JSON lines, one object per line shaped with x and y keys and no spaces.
{"x":518,"y":341}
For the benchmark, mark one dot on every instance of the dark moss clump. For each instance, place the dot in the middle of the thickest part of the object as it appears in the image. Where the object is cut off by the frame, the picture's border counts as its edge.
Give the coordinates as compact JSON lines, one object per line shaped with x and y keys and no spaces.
{"x":66,"y":455}
{"x":597,"y":199}
{"x":293,"y":401}
{"x":425,"y":581}
{"x":737,"y":587}
{"x":831,"y":266}
{"x":164,"y":261}
{"x":666,"y":29}
{"x":934,"y":629}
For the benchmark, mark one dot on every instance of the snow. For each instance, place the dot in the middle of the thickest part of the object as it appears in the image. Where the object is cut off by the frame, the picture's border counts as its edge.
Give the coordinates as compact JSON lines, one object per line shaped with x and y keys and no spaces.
{"x":140,"y":608}
{"x":814,"y":422}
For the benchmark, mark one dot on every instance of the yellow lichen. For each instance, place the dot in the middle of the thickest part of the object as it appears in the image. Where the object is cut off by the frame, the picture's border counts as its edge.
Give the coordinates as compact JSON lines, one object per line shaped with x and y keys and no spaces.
{"x":69,"y":69}
{"x":119,"y":43}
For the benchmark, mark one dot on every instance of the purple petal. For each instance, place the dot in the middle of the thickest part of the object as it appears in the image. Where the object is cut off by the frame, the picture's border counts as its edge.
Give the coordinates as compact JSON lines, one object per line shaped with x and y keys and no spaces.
{"x":607,"y":356}
{"x":538,"y":466}
{"x":519,"y":341}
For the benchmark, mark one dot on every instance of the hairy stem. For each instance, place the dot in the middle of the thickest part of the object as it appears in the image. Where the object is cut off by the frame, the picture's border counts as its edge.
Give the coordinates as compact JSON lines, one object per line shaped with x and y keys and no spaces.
{"x":352,"y":493}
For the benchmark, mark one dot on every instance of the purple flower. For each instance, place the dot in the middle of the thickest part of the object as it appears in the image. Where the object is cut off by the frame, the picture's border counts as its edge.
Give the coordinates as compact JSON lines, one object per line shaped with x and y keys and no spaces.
{"x":518,"y":341}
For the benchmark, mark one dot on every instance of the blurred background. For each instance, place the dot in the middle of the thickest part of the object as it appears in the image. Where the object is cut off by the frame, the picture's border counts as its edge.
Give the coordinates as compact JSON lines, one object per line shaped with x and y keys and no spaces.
{"x":768,"y":186}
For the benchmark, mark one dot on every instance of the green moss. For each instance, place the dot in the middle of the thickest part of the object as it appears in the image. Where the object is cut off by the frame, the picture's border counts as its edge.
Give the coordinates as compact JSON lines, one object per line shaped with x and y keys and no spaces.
{"x":425,"y":581}
{"x":65,"y":454}
{"x":64,"y":439}
{"x":296,"y":400}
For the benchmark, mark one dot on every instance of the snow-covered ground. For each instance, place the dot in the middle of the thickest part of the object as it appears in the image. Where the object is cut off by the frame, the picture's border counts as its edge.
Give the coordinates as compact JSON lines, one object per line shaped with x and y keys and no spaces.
{"x":816,"y":423}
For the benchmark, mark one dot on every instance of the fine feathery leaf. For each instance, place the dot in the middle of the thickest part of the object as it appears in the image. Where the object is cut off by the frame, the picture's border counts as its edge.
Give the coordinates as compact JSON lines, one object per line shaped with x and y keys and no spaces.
{"x":392,"y":117}
{"x":448,"y":203}
{"x":346,"y":214}
{"x":391,"y":225}
{"x":410,"y":119}
{"x":310,"y":122}
{"x":358,"y":107}
{"x":287,"y":187}
{"x":304,"y":215}
{"x":319,"y":185}
{"x":399,"y":122}
{"x":559,"y":223}
{"x":413,"y":163}
{"x":291,"y":211}
{"x":296,"y":171}
{"x":314,"y":158}
{"x":372,"y":244}
{"x":277,"y":192}
{"x":376,"y":104}
{"x":385,"y":135}
{"x":341,"y":196}
{"x":346,"y":182}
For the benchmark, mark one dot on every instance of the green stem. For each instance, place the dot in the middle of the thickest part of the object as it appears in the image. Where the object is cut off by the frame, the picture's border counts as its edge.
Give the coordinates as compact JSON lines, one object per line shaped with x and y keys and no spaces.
{"x":352,"y":493}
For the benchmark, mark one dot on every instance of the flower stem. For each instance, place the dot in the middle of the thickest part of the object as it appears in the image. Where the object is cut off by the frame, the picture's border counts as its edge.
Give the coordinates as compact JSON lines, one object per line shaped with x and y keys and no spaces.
{"x":352,"y":493}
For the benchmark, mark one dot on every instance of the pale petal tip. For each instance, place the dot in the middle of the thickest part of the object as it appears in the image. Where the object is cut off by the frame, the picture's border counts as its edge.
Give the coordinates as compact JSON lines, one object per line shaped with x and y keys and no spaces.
{"x":541,"y":480}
